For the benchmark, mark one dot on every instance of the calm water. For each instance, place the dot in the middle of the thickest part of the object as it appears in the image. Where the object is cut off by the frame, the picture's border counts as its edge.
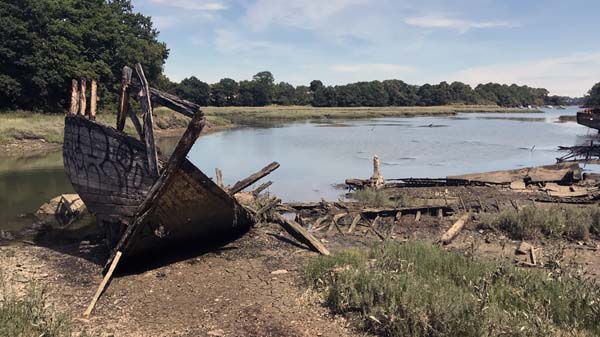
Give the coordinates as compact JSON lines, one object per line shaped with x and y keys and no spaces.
{"x":316,"y":155}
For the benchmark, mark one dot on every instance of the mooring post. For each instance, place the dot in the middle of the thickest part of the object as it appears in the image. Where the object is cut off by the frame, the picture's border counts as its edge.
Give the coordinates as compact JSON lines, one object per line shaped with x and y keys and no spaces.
{"x":376,"y":179}
{"x":74,"y":97}
{"x":82,"y":98}
{"x":93,"y":100}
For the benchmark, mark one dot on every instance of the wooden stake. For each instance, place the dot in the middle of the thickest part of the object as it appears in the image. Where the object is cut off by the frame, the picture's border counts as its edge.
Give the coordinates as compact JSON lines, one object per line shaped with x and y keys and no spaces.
{"x":440,"y":214}
{"x":418,"y":216}
{"x":261,"y":188}
{"x":124,"y":98}
{"x":532,"y":256}
{"x":240,"y":185}
{"x":74,"y":97}
{"x":355,"y":222}
{"x":455,"y":229}
{"x":147,"y":119}
{"x":93,"y":100}
{"x":82,"y":98}
{"x":219,"y":175}
{"x":136,"y":124}
{"x":103,"y":284}
{"x":337,"y":218}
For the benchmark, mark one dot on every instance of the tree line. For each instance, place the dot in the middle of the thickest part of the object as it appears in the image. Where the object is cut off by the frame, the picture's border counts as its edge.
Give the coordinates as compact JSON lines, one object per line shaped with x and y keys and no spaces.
{"x":46,"y":43}
{"x":262,"y":90}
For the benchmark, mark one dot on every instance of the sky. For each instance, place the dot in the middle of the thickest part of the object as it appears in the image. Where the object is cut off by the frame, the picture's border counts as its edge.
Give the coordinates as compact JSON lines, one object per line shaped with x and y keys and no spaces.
{"x":541,"y":43}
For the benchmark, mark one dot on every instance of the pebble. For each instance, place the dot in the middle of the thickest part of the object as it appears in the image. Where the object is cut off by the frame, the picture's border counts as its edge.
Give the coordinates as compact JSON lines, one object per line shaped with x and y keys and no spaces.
{"x":279,"y":271}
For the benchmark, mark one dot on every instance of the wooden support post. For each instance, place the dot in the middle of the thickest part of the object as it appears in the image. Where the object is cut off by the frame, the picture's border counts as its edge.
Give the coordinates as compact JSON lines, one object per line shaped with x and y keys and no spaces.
{"x":455,"y":229}
{"x":93,"y":99}
{"x":418,"y":216}
{"x":393,"y":225}
{"x":219,"y":175}
{"x":74,"y":98}
{"x":82,"y":97}
{"x":355,"y":222}
{"x":240,"y":185}
{"x":124,"y":98}
{"x":136,"y":124}
{"x":337,"y":218}
{"x":147,"y":120}
{"x":103,"y":284}
{"x":299,"y":233}
{"x":317,"y":224}
{"x":268,"y":206}
{"x":532,"y":256}
{"x":440,"y":214}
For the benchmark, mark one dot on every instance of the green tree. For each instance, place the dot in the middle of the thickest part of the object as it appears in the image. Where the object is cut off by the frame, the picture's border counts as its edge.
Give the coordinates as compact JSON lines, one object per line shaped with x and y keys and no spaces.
{"x":303,"y":96}
{"x":193,"y":90}
{"x":592,"y":100}
{"x":46,"y":43}
{"x":263,"y":86}
{"x":315,"y":85}
{"x":284,"y":94}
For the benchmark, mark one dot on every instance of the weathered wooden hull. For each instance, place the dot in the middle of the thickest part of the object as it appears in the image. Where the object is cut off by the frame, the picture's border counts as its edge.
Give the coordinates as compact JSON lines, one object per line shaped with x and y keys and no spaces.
{"x":109,"y":171}
{"x":589,"y":118}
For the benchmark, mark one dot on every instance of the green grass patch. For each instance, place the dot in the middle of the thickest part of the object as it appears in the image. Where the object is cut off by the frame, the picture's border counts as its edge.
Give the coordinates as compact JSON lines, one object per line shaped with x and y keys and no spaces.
{"x":418,"y":290}
{"x":31,"y":315}
{"x":378,"y":198}
{"x":574,"y":223}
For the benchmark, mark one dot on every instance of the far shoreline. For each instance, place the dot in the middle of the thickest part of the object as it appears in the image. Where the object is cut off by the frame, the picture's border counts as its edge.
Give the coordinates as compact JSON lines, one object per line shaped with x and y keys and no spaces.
{"x":28,"y":133}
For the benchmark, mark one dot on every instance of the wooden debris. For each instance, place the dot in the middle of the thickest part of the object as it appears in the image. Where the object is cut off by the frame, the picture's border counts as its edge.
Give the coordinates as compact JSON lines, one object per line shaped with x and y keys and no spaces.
{"x":550,"y":173}
{"x":518,"y":185}
{"x":418,"y":216}
{"x":261,"y":188}
{"x":355,"y":222}
{"x":532,"y":256}
{"x":122,"y":111}
{"x":136,"y":124}
{"x":219,"y":176}
{"x":242,"y":184}
{"x":271,"y":204}
{"x":523,"y":248}
{"x":82,"y":97}
{"x":455,"y":229}
{"x":93,"y":99}
{"x":318,"y":222}
{"x":147,"y":120}
{"x":103,"y":284}
{"x":337,"y":218}
{"x":299,"y":233}
{"x":74,"y":98}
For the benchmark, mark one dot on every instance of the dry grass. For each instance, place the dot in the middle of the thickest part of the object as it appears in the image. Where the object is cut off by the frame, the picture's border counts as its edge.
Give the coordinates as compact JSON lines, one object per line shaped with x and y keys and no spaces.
{"x":416,"y":289}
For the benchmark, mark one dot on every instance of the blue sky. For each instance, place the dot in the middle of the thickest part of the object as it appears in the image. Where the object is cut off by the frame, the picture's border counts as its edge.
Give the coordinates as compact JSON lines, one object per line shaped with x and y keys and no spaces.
{"x":543,"y":43}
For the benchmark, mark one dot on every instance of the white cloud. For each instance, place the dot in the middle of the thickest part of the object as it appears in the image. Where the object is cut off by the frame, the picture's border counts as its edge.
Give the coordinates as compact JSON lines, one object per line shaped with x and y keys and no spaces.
{"x":442,"y":21}
{"x":197,"y":5}
{"x":163,"y":22}
{"x":571,"y":75}
{"x":379,"y":68}
{"x":308,"y":14}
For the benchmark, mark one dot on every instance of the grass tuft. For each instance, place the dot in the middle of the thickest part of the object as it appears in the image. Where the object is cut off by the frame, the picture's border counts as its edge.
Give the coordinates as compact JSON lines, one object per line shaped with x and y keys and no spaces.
{"x":575,"y":223}
{"x":416,"y":289}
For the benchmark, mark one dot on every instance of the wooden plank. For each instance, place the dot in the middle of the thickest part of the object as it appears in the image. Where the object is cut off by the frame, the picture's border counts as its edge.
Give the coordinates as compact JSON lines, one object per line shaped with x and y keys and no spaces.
{"x":158,"y":189}
{"x":335,"y":223}
{"x":175,"y":103}
{"x":136,"y":123}
{"x":122,"y":112}
{"x":318,"y":222}
{"x":93,"y":99}
{"x":74,"y":97}
{"x":418,"y":216}
{"x":82,"y":97}
{"x":103,"y":284}
{"x":455,"y":229}
{"x":261,"y":188}
{"x":147,"y":121}
{"x":299,"y":233}
{"x":242,"y":184}
{"x":355,"y":222}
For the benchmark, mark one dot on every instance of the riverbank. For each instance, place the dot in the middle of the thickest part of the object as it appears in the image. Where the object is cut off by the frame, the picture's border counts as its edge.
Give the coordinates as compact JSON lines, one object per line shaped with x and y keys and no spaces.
{"x":23,"y":132}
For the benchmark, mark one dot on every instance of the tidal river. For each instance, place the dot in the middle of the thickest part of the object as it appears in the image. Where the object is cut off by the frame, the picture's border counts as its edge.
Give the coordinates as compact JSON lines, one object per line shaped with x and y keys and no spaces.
{"x":315,"y":155}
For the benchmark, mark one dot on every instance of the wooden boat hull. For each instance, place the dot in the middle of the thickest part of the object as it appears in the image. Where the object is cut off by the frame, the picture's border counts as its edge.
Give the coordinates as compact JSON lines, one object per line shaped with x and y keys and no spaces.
{"x":589,"y":118}
{"x":109,"y":170}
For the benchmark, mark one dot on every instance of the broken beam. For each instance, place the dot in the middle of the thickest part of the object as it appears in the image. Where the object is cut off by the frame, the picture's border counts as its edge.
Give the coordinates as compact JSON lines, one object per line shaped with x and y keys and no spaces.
{"x":299,"y":233}
{"x":242,"y":184}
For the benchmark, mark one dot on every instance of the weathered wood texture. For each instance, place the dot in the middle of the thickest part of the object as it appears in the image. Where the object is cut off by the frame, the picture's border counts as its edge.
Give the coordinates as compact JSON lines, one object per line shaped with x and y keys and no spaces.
{"x":147,"y":121}
{"x":108,"y":169}
{"x":74,"y":98}
{"x":183,"y":204}
{"x":455,"y":229}
{"x":82,"y":97}
{"x":549,"y":173}
{"x":93,"y":99}
{"x":299,"y":233}
{"x":240,"y":185}
{"x":173,"y":102}
{"x":122,"y":112}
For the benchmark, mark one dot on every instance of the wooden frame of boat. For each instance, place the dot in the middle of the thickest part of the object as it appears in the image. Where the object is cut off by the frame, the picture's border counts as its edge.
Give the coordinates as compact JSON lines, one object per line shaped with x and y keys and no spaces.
{"x":141,"y":203}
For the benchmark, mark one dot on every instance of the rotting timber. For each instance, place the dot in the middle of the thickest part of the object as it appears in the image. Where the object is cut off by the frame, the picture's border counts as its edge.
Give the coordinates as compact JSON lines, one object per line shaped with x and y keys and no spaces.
{"x":140,"y":202}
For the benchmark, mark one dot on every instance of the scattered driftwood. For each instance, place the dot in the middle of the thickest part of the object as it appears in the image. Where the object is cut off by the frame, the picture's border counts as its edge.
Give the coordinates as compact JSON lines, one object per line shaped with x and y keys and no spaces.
{"x":318,"y":222}
{"x":455,"y":229}
{"x":355,"y":222}
{"x":261,"y":188}
{"x":271,"y":204}
{"x":565,"y":172}
{"x":298,"y":232}
{"x":335,"y":223}
{"x":242,"y":184}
